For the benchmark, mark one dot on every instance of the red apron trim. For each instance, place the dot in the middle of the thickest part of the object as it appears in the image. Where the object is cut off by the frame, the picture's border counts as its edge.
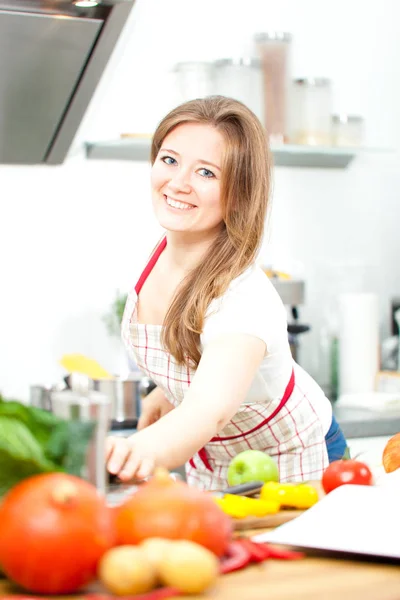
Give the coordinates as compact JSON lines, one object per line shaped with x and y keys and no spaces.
{"x":285,"y":398}
{"x":150,"y":265}
{"x":204,"y":458}
{"x":202,"y":453}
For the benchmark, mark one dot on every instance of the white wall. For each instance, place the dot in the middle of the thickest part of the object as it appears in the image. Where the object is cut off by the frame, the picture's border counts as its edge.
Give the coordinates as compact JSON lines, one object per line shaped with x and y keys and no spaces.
{"x":70,"y":234}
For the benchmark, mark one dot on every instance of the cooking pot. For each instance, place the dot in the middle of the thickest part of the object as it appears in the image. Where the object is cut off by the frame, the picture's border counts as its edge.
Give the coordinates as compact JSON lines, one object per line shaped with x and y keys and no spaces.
{"x":125,"y":396}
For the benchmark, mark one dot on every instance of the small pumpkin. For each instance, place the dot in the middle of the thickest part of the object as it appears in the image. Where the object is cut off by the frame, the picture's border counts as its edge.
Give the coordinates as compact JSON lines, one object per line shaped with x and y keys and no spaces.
{"x":170,"y":509}
{"x":55,"y":528}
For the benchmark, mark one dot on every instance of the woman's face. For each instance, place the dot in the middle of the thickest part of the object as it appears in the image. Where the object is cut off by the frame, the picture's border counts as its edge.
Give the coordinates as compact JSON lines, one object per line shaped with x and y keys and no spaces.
{"x":186,"y":179}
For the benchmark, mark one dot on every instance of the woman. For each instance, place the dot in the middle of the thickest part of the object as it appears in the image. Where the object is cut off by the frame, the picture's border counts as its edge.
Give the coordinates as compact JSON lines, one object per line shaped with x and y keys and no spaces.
{"x":206,"y":324}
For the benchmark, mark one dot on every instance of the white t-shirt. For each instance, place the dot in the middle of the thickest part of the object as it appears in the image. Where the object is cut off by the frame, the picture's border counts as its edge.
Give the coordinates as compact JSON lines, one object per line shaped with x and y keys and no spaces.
{"x":252,"y":305}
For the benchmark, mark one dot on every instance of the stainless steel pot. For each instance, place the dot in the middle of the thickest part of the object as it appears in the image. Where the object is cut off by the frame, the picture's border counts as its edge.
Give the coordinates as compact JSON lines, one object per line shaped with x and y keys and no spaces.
{"x":125,"y":395}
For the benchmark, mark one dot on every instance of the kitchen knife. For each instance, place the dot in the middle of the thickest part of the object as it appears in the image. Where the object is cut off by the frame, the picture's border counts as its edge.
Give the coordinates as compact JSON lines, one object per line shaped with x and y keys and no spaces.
{"x":244,"y":489}
{"x":119,"y":492}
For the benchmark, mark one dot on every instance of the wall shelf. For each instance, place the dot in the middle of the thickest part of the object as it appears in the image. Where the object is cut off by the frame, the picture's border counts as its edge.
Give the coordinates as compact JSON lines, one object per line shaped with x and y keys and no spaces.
{"x":138,"y":149}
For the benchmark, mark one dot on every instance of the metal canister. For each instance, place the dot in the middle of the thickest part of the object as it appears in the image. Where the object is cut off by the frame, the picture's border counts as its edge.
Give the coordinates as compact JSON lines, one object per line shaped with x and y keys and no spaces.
{"x":94,"y":407}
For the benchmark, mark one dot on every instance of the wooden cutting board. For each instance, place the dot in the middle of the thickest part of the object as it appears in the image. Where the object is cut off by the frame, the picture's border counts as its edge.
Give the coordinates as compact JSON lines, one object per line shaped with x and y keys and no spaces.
{"x":283,"y":516}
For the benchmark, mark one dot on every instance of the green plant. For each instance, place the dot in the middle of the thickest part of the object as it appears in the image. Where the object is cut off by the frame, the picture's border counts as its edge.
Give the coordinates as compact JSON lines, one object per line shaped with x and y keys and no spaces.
{"x":114,"y":316}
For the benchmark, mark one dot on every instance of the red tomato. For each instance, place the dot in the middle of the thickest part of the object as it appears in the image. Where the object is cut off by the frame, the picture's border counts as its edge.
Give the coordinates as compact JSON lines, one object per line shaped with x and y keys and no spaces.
{"x":54,"y":530}
{"x":171,"y":509}
{"x":341,"y":472}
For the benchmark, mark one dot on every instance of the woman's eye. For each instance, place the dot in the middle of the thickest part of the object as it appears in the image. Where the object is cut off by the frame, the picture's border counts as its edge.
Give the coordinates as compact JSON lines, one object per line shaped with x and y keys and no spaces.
{"x":206,"y":173}
{"x":168,"y":160}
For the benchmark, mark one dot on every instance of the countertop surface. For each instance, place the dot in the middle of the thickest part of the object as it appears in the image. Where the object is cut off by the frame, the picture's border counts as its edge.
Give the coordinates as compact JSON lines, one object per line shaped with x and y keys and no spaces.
{"x":357,"y":422}
{"x":310,"y":578}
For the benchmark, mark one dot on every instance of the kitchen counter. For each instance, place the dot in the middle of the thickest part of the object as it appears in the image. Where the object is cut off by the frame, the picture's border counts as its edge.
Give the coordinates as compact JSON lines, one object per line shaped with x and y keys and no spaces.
{"x":307,"y":579}
{"x":361,"y":423}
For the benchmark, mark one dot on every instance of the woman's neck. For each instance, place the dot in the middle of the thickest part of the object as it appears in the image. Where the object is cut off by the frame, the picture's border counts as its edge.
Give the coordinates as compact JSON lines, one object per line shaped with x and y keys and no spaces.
{"x":185,"y":251}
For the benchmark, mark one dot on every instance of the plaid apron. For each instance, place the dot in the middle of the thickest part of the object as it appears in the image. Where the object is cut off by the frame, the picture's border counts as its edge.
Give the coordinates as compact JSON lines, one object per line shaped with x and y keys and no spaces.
{"x":287,"y":428}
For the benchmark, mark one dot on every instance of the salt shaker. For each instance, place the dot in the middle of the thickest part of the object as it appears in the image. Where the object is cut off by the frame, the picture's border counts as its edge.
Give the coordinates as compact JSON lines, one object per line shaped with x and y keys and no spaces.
{"x":94,"y":406}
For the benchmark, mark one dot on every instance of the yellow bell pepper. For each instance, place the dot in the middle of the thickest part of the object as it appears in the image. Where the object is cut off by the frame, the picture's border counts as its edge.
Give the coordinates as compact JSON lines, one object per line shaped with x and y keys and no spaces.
{"x":290,"y":495}
{"x":240,"y":507}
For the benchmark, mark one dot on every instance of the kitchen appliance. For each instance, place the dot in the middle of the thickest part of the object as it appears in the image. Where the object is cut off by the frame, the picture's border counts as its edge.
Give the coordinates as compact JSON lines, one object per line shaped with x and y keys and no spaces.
{"x":292,"y":292}
{"x":52,"y":56}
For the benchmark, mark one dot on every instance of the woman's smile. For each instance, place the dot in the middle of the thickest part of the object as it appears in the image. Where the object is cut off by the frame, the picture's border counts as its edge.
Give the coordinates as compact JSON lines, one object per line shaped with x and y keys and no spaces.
{"x":178,"y":204}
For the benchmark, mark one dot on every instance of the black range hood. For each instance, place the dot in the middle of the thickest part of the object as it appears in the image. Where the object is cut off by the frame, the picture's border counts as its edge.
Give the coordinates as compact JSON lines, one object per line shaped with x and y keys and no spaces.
{"x":52,"y":56}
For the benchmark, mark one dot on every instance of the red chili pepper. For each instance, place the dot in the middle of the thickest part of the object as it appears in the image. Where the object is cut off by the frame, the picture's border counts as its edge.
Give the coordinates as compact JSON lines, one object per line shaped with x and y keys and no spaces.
{"x":236,"y":558}
{"x":258,"y":552}
{"x":283,"y":554}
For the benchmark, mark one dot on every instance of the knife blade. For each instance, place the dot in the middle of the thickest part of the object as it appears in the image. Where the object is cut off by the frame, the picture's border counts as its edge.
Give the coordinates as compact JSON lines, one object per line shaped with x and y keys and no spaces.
{"x":250,"y":488}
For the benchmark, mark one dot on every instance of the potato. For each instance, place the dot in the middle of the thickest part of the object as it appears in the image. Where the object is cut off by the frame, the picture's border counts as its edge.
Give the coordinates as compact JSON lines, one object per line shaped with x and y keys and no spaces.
{"x":155,"y":549}
{"x":189,"y":567}
{"x":126,"y":570}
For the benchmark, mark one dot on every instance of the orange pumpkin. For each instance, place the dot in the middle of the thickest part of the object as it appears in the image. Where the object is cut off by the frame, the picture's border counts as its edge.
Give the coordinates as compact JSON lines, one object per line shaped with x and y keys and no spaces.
{"x":171,"y":509}
{"x":391,"y":454}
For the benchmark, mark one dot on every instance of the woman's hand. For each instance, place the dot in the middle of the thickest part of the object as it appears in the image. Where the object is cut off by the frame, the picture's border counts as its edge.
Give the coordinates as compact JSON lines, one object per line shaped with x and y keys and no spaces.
{"x":127,"y":461}
{"x":154,"y":406}
{"x":124,"y":456}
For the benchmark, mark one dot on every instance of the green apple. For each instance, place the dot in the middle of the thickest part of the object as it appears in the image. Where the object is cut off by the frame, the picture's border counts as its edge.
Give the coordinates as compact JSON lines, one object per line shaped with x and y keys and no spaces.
{"x":252,"y":465}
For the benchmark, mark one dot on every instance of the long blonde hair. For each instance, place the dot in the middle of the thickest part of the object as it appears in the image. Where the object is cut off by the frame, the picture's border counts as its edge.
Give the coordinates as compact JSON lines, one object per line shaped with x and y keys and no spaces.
{"x":245,"y":189}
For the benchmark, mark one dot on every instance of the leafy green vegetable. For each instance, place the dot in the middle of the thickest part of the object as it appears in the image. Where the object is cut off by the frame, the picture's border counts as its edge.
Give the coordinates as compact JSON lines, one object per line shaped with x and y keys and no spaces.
{"x":39,"y":422}
{"x":20,"y":454}
{"x":35,"y":441}
{"x":68,"y":444}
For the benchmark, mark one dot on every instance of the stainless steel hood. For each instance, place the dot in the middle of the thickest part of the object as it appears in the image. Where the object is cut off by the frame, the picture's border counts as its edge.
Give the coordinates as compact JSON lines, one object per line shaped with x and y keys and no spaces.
{"x":52,"y":55}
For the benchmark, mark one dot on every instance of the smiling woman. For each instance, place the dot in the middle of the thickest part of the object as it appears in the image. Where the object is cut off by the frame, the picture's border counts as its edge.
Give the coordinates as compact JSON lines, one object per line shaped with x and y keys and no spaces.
{"x":186,"y":192}
{"x":205,"y":323}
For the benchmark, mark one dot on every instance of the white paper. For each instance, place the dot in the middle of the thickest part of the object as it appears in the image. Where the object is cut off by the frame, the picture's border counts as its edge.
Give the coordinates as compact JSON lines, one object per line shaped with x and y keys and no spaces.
{"x":353,"y":518}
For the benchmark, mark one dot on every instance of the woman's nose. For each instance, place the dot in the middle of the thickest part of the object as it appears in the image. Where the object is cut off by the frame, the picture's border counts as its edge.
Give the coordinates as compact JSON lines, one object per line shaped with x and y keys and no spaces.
{"x":180,"y":183}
